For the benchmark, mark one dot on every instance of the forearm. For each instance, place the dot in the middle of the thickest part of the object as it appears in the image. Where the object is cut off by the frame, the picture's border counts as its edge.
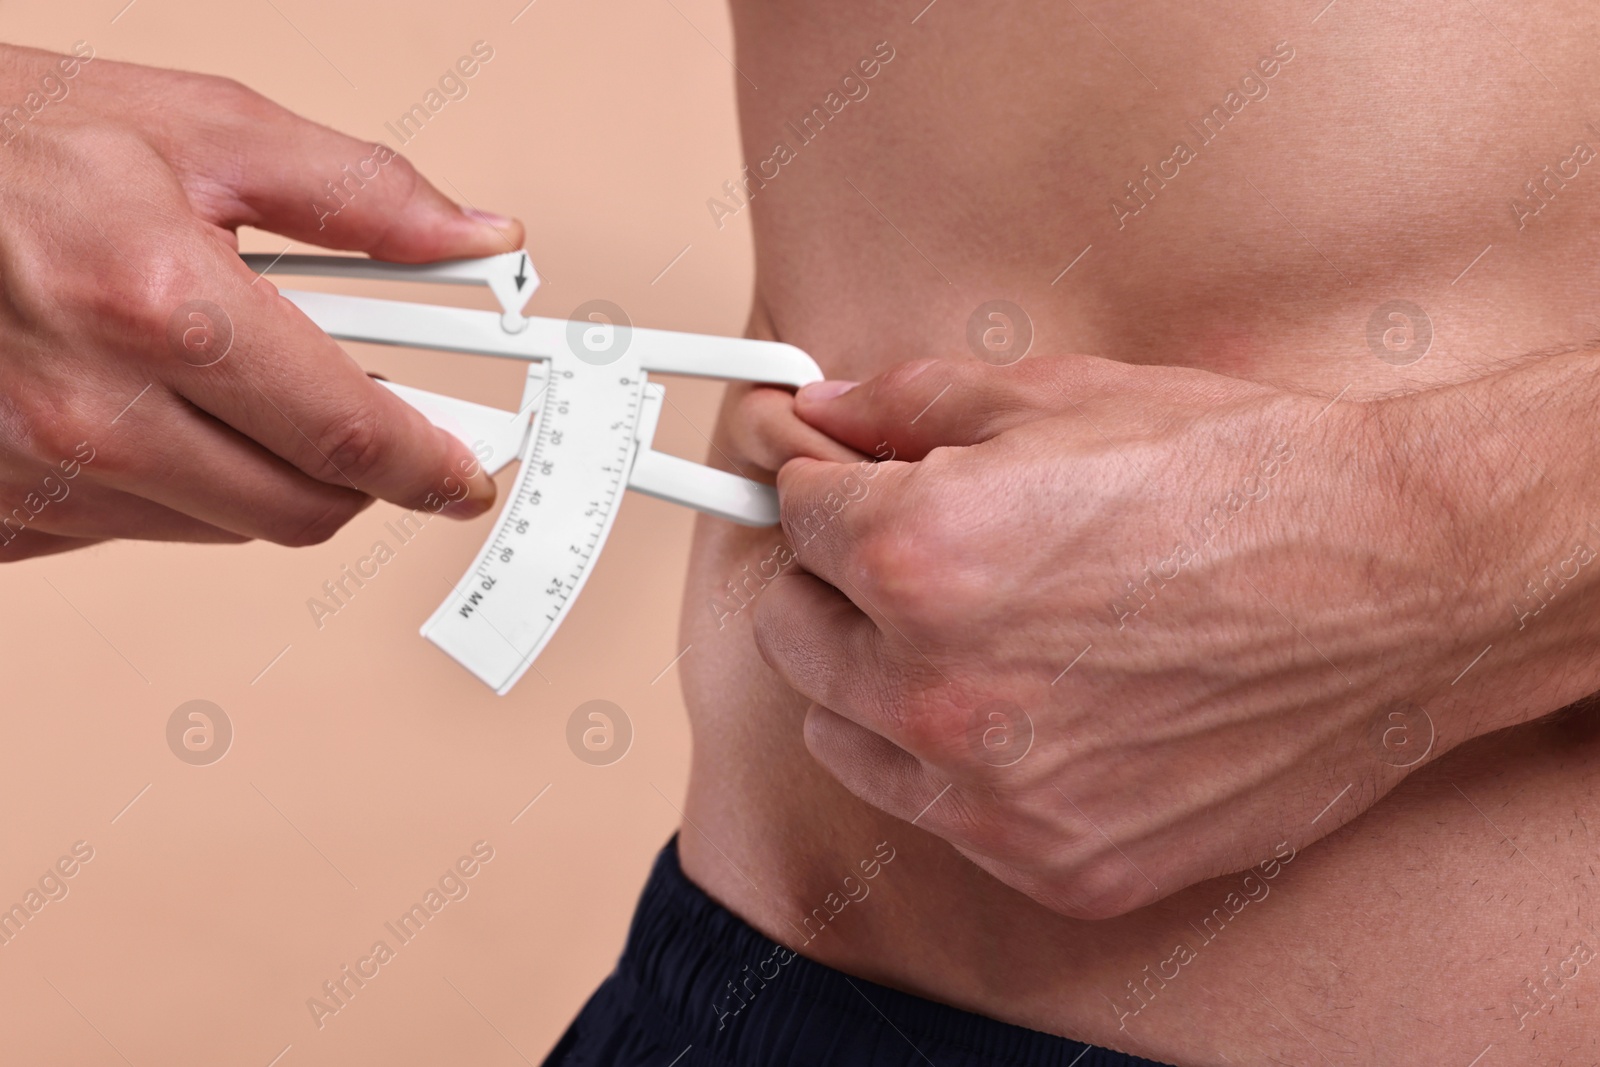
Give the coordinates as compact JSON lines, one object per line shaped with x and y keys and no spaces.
{"x":1500,"y":474}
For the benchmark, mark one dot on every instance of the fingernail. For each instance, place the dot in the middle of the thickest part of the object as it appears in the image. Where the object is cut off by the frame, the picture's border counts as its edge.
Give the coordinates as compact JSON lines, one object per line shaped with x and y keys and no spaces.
{"x":826,"y":390}
{"x":480,"y":497}
{"x":488,"y":218}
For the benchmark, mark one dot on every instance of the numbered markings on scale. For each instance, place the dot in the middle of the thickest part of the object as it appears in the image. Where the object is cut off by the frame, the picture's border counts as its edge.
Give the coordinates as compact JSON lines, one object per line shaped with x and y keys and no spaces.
{"x":575,"y":467}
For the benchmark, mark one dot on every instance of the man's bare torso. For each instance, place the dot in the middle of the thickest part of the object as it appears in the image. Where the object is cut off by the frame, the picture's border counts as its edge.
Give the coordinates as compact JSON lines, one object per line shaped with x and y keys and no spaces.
{"x":1308,"y":196}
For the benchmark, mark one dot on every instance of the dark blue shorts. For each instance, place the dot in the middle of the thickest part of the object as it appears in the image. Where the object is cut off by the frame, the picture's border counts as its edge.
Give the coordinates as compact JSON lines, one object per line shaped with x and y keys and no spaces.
{"x":698,"y":987}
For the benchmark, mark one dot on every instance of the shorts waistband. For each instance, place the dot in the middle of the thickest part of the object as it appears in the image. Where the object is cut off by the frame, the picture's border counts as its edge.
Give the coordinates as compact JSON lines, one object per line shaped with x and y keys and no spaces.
{"x":738,"y":995}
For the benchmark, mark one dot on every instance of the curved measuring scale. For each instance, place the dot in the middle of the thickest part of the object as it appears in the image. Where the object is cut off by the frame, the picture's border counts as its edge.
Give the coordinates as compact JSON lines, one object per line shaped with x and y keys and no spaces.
{"x":582,"y":431}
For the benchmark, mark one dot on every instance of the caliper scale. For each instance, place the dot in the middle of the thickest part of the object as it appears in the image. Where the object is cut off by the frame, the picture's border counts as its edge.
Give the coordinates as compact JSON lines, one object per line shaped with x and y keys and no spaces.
{"x":582,"y":432}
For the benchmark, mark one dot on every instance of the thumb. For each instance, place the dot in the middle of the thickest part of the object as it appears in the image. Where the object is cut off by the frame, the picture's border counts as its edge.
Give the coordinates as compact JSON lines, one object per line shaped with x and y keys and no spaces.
{"x":916,"y":407}
{"x":261,"y":165}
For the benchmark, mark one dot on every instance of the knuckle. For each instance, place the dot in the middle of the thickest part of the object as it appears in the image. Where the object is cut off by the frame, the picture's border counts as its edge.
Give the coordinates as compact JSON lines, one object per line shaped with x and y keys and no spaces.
{"x":406,"y":173}
{"x":235,"y":92}
{"x":938,"y":568}
{"x":136,"y":306}
{"x":1083,"y":875}
{"x":934,"y":729}
{"x":43,"y":417}
{"x":235,"y":99}
{"x":89,"y":147}
{"x":62,"y":426}
{"x":898,"y":570}
{"x":1102,"y":888}
{"x":905,"y":558}
{"x":226,"y":91}
{"x":402,"y":181}
{"x":351,"y":447}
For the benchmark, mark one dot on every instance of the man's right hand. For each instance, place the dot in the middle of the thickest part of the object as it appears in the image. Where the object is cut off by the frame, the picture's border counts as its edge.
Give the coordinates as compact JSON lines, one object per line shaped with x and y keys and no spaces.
{"x":151,"y":386}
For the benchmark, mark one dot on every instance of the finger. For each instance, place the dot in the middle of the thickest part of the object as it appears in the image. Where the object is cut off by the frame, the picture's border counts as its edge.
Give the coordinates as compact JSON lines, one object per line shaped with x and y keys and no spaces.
{"x":255,"y":362}
{"x":248,"y":161}
{"x":871,"y":767}
{"x":915,"y":407}
{"x":31,"y":544}
{"x":825,"y":648}
{"x":176,"y":456}
{"x":840,"y":518}
{"x":763,"y":429}
{"x":99,"y":513}
{"x":899,"y":784}
{"x":828,"y":650}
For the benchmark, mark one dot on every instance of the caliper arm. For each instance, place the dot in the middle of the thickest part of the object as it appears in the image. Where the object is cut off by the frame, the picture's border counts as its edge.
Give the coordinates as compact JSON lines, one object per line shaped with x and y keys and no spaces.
{"x":511,"y":335}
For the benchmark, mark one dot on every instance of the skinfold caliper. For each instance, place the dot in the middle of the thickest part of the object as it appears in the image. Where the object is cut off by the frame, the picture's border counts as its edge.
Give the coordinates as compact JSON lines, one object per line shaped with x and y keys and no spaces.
{"x":582,"y":431}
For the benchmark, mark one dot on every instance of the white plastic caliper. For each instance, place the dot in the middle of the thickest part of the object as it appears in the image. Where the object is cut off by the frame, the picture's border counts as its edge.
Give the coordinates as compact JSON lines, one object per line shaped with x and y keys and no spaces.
{"x":582,"y":431}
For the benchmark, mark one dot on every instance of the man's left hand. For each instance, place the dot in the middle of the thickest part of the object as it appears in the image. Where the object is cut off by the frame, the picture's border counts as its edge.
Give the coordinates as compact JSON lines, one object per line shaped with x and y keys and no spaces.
{"x":1112,"y":630}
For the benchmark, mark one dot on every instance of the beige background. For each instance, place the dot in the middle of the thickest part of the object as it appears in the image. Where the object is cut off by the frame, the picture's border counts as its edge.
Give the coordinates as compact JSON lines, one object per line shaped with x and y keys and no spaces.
{"x":364,"y":761}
